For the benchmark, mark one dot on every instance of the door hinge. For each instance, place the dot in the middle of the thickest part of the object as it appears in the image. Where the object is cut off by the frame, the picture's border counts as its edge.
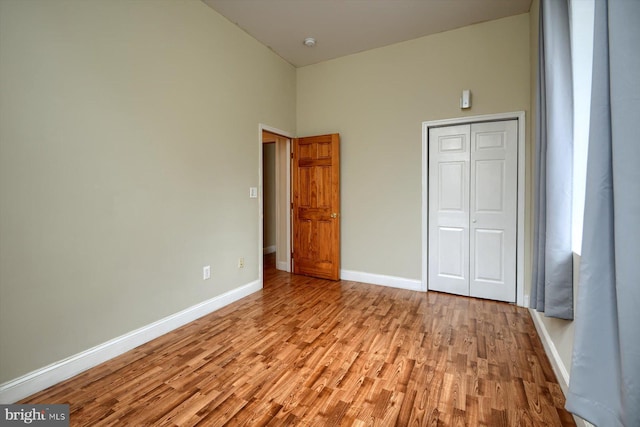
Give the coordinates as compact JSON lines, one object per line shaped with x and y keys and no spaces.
{"x":292,"y":155}
{"x":291,"y":205}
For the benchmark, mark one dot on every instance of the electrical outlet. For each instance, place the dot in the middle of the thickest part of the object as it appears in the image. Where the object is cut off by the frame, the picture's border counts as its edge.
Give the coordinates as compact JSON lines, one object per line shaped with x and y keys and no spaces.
{"x":206,"y":272}
{"x":241,"y":262}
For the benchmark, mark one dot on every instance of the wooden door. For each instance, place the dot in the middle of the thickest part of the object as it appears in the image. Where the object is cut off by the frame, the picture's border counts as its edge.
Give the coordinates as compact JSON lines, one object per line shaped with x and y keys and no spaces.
{"x":316,"y":206}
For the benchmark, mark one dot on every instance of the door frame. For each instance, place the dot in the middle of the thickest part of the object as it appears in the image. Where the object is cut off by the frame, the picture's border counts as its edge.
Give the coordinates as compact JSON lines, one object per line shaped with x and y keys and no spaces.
{"x":279,"y":197}
{"x":520,"y":235}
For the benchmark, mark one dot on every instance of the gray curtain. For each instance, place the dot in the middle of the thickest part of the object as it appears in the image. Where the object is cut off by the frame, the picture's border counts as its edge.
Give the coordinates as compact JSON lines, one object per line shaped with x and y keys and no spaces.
{"x":605,"y":372}
{"x":552,"y":284}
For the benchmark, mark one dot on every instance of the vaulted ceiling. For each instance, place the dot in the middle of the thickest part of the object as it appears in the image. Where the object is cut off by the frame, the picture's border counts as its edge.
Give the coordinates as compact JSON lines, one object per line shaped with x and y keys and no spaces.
{"x":343,"y":27}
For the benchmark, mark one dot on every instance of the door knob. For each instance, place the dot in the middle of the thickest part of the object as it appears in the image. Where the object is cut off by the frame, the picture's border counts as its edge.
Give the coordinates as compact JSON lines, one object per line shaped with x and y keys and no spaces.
{"x":474,"y":221}
{"x":334,"y":215}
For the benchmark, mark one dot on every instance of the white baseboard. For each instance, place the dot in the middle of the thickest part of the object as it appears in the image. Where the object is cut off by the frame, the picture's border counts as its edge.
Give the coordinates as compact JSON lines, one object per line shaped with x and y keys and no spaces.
{"x":562,"y":374}
{"x":552,"y":352}
{"x":47,"y":376}
{"x":283,"y":266}
{"x":380,"y":279}
{"x":269,"y":250}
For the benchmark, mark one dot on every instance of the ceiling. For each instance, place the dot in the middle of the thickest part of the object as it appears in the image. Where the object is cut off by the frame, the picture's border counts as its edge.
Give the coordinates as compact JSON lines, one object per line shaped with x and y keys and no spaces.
{"x":343,"y":27}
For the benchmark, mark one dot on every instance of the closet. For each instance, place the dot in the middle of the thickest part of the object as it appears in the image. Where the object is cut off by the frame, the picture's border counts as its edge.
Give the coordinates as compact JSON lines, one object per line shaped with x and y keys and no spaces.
{"x":473,"y":196}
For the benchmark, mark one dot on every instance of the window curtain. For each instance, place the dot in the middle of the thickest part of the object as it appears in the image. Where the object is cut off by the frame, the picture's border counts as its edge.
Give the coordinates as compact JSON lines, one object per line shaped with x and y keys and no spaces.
{"x":605,"y":372}
{"x":552,"y":284}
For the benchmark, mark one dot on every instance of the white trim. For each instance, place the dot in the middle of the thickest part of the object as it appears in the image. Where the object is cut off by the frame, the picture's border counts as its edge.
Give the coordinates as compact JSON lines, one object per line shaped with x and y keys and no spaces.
{"x":425,"y":208}
{"x":260,"y":209}
{"x":521,"y":209}
{"x":381,"y":279}
{"x":516,"y":115}
{"x":269,"y":250}
{"x":283,"y":266}
{"x":562,"y":374}
{"x":552,"y":352}
{"x":287,"y":201}
{"x":47,"y":376}
{"x":275,"y":130}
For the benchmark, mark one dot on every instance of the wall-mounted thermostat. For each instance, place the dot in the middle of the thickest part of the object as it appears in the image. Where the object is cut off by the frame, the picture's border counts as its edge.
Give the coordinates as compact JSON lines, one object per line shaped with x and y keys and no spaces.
{"x":465,"y":99}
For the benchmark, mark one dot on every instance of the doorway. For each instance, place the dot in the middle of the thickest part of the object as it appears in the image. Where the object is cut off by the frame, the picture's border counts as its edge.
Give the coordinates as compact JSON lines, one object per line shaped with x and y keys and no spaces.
{"x":274,"y":198}
{"x":431,"y":250}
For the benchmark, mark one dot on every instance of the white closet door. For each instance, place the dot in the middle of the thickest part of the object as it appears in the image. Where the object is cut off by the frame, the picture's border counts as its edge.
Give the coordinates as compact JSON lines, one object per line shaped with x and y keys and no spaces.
{"x":473,"y":210}
{"x":493,"y":210}
{"x":449,"y":154}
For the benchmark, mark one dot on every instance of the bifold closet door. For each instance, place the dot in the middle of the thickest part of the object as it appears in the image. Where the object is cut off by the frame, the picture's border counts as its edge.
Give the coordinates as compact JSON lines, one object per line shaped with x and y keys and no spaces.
{"x":473,"y":209}
{"x":493,"y":210}
{"x":449,"y":209}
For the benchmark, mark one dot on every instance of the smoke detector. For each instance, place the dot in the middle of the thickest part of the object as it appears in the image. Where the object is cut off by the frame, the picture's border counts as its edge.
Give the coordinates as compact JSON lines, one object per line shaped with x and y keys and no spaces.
{"x":309,"y":42}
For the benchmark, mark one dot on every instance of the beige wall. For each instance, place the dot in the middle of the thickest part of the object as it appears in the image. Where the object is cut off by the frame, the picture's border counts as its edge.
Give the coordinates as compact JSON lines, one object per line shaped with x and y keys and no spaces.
{"x":128,"y":143}
{"x":283,"y":171}
{"x":377,"y":101}
{"x":269,"y":194}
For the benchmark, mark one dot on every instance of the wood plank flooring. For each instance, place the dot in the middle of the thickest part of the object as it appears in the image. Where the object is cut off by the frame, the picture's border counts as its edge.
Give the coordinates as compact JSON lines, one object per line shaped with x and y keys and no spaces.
{"x":312,"y":352}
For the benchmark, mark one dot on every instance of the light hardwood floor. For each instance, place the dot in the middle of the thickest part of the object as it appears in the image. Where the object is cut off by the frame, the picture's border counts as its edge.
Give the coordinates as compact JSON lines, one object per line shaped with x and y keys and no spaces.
{"x":313,"y":352}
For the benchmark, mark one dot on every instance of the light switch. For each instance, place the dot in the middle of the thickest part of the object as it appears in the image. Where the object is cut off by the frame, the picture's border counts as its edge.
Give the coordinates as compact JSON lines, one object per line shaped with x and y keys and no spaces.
{"x":253,"y":192}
